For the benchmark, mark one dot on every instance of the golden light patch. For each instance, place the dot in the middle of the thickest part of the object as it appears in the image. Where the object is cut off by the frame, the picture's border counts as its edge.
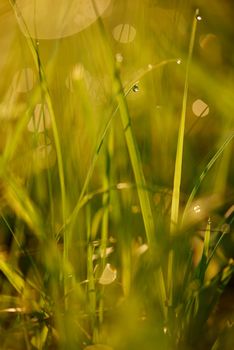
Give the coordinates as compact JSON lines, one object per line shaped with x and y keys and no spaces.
{"x":57,"y":18}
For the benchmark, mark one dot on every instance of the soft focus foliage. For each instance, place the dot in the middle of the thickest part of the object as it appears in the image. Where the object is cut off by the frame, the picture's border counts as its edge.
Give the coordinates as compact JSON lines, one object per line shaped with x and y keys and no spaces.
{"x":116,"y":174}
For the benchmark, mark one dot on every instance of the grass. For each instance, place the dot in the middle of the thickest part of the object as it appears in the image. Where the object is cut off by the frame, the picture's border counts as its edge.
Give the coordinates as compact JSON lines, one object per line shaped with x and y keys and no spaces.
{"x":116,"y":210}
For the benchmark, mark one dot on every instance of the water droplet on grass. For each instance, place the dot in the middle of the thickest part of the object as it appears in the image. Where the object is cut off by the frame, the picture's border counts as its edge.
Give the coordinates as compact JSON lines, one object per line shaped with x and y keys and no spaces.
{"x":135,"y":88}
{"x":119,"y":57}
{"x":122,"y":185}
{"x":198,"y":17}
{"x":178,"y":61}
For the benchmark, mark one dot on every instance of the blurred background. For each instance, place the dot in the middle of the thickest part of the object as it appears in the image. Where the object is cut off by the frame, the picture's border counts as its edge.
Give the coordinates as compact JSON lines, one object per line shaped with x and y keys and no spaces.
{"x":77,"y":45}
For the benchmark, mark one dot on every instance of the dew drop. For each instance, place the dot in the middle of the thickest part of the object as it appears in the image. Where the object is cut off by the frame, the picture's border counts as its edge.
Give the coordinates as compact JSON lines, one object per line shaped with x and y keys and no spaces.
{"x":135,"y":88}
{"x":119,"y":57}
{"x":198,"y":17}
{"x":150,"y":66}
{"x":122,"y":185}
{"x":178,"y":61}
{"x":165,"y":330}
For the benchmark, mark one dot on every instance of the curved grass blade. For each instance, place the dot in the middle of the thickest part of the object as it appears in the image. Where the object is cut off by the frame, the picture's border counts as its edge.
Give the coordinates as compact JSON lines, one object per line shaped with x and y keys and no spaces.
{"x":46,"y":95}
{"x":22,"y":205}
{"x":204,"y":173}
{"x":15,"y":279}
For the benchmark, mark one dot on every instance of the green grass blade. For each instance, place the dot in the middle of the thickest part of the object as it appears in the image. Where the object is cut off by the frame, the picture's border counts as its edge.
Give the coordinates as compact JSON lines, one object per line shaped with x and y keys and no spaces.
{"x":215,"y":248}
{"x":18,"y":199}
{"x":90,"y":278}
{"x":180,"y":142}
{"x":136,"y":164}
{"x":179,"y":160}
{"x":202,"y":266}
{"x":105,"y":218}
{"x":46,"y":95}
{"x":204,"y":173}
{"x":15,"y":279}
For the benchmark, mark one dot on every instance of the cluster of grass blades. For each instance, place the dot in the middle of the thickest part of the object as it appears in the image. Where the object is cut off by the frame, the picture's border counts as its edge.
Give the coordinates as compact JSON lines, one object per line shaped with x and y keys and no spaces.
{"x":93,"y":254}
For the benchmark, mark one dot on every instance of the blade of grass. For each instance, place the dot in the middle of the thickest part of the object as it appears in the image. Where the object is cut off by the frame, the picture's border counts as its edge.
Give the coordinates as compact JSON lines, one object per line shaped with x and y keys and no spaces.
{"x":127,"y":90}
{"x":204,"y":173}
{"x":15,"y":279}
{"x":136,"y":164}
{"x":179,"y":161}
{"x":202,"y":266}
{"x":22,"y":205}
{"x":45,"y":91}
{"x":180,"y":142}
{"x":135,"y":159}
{"x":23,"y":250}
{"x":90,"y":278}
{"x":19,"y":129}
{"x":105,"y":218}
{"x":215,"y":248}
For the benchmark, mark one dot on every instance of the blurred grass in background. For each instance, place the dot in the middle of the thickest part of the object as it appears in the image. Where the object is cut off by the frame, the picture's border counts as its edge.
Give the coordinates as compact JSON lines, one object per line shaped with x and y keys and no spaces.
{"x":92,"y":254}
